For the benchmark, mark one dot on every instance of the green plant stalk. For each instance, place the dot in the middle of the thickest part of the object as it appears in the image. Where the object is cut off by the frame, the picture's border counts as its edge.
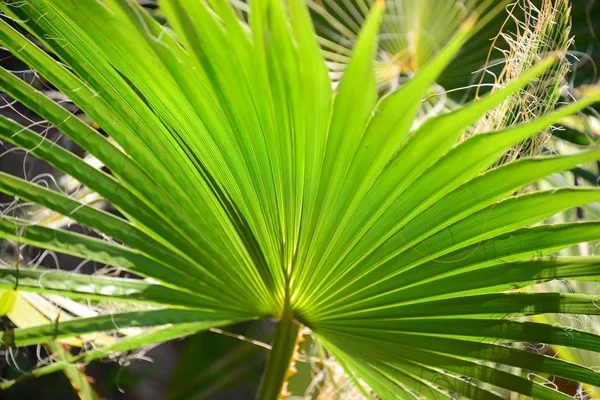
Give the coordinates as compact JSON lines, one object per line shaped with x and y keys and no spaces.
{"x":277,"y":371}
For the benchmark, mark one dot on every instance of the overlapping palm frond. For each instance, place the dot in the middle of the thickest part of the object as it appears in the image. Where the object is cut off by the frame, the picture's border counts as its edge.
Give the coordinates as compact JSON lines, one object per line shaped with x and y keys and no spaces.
{"x":510,"y":36}
{"x":411,"y":35}
{"x":249,"y":189}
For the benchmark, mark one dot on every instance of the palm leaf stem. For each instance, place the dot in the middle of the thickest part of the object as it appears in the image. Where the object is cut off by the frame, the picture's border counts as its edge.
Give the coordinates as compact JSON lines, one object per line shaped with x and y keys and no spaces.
{"x":280,"y":364}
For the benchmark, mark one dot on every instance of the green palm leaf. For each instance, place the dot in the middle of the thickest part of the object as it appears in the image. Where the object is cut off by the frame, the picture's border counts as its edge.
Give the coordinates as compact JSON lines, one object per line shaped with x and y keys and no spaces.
{"x":248,"y":189}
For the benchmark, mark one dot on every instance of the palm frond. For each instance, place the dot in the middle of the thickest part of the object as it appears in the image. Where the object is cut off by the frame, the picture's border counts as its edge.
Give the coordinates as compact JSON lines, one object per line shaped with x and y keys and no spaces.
{"x":247,"y":188}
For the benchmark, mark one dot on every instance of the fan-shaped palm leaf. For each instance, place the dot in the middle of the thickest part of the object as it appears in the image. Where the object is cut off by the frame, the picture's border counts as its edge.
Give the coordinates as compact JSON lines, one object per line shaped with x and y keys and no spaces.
{"x":249,"y":190}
